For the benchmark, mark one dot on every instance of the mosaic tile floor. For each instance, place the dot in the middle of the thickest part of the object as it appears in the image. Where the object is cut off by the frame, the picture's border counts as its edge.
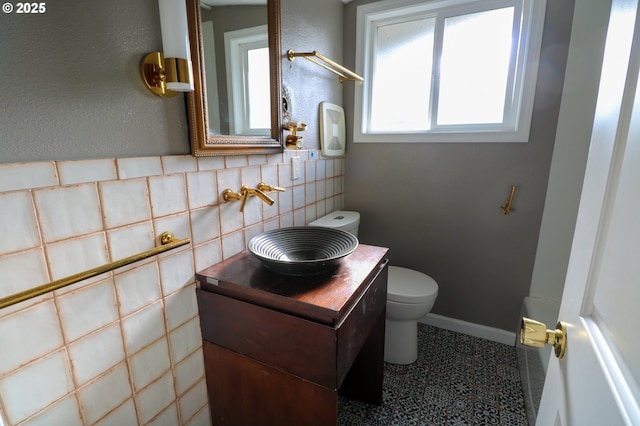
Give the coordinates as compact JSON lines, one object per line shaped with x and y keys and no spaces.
{"x":457,"y":380}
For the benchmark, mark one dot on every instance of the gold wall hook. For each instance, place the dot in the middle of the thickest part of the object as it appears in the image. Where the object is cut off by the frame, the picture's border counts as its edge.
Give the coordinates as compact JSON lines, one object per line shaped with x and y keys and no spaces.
{"x":534,"y":333}
{"x":507,"y":208}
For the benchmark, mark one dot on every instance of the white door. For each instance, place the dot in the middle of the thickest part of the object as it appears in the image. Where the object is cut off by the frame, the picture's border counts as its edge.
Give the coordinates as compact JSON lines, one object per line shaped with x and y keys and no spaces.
{"x":597,"y":381}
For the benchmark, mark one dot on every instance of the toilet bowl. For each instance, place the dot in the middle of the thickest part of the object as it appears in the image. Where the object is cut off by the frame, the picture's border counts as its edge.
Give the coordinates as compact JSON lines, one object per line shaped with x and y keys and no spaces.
{"x":410,"y":296}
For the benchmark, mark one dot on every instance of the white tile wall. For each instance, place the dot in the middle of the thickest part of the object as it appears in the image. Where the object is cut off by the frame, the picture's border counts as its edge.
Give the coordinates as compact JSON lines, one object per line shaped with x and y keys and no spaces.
{"x":21,"y":234}
{"x":28,"y":390}
{"x":125,"y":347}
{"x":105,"y":393}
{"x":96,"y":353}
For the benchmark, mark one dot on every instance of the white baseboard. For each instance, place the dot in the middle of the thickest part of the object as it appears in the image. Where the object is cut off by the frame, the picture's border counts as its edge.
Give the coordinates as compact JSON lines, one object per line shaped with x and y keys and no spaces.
{"x":476,"y":330}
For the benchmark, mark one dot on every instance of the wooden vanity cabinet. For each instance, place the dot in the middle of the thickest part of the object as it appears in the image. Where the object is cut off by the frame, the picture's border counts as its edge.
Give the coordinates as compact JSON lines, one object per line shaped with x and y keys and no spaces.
{"x":278,"y":349}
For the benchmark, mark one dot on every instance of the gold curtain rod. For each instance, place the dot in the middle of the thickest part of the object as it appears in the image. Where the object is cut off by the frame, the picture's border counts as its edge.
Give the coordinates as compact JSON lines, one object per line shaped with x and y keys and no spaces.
{"x":343,"y":73}
{"x":167,"y":241}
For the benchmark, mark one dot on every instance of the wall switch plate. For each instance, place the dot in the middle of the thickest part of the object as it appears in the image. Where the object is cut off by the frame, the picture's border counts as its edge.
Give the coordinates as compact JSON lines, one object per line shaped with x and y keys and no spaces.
{"x":295,"y":168}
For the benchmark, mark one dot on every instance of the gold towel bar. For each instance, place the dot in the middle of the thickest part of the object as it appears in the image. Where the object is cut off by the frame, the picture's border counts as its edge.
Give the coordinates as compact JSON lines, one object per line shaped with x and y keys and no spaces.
{"x":167,"y":241}
{"x":337,"y":68}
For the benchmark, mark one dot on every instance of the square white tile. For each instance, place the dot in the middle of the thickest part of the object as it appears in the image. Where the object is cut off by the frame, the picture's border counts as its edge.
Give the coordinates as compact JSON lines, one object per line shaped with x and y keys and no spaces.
{"x":180,"y":307}
{"x":72,"y":172}
{"x":130,"y":240}
{"x":129,"y":168}
{"x":189,"y":371}
{"x":176,"y":272}
{"x":207,"y":254}
{"x":202,"y":189}
{"x":179,"y":164}
{"x":168,"y":194}
{"x":210,"y":163}
{"x":22,"y":271}
{"x":150,"y":364}
{"x":18,"y":223}
{"x":32,"y":388}
{"x":298,"y":196}
{"x":310,"y":193}
{"x":105,"y":393}
{"x":123,"y":415}
{"x":192,"y":401}
{"x":205,"y":224}
{"x":233,"y":161}
{"x":168,"y":417}
{"x":87,"y":309}
{"x":17,"y":176}
{"x":44,"y":336}
{"x":184,"y":340}
{"x":68,"y":211}
{"x":64,"y":412}
{"x":125,"y":202}
{"x":76,"y":255}
{"x":156,"y":397}
{"x":203,"y":418}
{"x":137,"y":288}
{"x":96,"y":353}
{"x":143,"y":328}
{"x":232,"y":244}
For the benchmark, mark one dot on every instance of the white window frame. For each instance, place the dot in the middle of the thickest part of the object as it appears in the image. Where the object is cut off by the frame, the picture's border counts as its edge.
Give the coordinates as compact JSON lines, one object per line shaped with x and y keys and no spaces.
{"x":237,"y":44}
{"x":517,"y":120}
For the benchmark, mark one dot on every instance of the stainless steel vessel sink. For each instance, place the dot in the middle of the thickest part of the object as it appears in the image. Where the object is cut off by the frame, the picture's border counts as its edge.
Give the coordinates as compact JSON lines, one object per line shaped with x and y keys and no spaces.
{"x":302,"y":250}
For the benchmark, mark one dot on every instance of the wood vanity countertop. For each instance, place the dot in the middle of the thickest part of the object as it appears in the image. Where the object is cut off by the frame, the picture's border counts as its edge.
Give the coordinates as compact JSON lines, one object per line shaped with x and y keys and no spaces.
{"x":321,"y":298}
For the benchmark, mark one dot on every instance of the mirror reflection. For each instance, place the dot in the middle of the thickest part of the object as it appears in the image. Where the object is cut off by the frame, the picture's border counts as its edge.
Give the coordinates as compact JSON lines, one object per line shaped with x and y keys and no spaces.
{"x":235,"y":47}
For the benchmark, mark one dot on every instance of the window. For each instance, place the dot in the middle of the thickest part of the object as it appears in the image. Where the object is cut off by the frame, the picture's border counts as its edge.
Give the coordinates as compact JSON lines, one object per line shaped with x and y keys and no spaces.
{"x":248,"y":86}
{"x":447,"y":71}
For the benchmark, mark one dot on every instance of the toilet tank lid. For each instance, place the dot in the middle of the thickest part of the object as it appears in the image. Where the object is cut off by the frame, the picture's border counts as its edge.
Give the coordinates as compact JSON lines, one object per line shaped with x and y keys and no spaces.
{"x":409,"y":286}
{"x":340,"y":219}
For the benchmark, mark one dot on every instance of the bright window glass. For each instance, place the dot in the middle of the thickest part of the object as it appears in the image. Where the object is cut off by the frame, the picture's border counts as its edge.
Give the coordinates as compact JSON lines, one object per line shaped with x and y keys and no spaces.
{"x":392,"y":109}
{"x":446,"y":71}
{"x":474,"y":67}
{"x":259,"y":104}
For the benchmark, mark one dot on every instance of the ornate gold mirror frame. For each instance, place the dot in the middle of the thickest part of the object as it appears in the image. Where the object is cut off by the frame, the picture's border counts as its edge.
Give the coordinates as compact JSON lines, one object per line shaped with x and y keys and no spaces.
{"x":202,"y":142}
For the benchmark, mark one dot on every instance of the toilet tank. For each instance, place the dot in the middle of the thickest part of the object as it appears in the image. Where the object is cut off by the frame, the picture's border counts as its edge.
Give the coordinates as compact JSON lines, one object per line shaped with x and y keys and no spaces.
{"x":340,"y":219}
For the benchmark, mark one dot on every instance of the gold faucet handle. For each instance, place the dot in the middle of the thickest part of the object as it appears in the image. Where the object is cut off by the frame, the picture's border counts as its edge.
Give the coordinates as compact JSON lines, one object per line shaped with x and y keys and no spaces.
{"x":266,"y":188}
{"x":244,"y":191}
{"x":229,"y":195}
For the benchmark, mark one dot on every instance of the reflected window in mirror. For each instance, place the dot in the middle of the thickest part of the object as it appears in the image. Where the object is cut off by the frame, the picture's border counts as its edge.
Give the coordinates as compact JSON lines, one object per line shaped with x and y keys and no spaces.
{"x":237,"y":109}
{"x":247,"y":61}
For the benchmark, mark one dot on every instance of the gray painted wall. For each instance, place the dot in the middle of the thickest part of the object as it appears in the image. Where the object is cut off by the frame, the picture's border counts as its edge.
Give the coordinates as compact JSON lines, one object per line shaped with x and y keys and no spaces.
{"x":437,"y":206}
{"x":71,"y":85}
{"x":309,"y":25}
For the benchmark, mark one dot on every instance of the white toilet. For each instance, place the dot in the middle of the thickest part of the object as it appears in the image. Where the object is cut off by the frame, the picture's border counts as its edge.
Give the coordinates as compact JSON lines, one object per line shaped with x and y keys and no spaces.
{"x":410,"y":296}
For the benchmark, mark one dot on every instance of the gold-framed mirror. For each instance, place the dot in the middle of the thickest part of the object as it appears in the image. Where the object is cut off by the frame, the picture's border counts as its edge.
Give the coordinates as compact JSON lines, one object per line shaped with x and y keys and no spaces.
{"x":222,"y":121}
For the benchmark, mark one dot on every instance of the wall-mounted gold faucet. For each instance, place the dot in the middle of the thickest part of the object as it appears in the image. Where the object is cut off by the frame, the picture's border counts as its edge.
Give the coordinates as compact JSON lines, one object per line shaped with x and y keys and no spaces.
{"x":245,"y":191}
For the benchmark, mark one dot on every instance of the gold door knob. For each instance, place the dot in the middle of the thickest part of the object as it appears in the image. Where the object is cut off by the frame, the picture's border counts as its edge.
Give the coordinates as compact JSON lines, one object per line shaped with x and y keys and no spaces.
{"x":534,"y":333}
